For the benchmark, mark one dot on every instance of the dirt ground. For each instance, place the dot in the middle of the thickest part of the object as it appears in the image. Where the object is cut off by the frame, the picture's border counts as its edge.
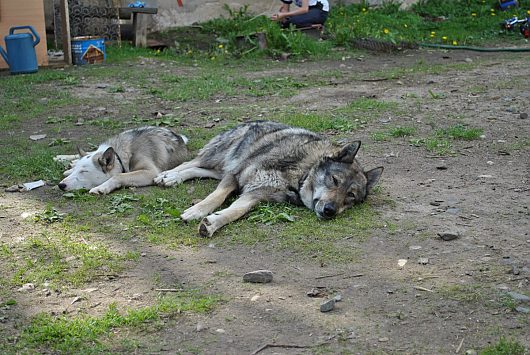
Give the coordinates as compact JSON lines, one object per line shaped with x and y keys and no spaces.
{"x":410,"y":291}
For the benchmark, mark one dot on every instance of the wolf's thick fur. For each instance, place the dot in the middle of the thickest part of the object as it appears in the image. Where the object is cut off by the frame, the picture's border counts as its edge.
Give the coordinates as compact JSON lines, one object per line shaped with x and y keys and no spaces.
{"x":268,"y":161}
{"x":132,"y":158}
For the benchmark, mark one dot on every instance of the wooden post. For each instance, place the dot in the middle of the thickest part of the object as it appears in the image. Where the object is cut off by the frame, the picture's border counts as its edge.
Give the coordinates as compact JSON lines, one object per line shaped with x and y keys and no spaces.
{"x":139,"y":29}
{"x":65,"y":20}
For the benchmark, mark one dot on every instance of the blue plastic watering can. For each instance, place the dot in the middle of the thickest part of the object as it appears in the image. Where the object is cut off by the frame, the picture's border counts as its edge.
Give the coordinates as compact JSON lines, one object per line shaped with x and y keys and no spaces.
{"x":20,"y":54}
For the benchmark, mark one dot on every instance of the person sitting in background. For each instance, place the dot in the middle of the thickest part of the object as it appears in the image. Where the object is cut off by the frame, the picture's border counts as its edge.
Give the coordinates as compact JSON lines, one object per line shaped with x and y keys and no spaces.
{"x":307,"y":13}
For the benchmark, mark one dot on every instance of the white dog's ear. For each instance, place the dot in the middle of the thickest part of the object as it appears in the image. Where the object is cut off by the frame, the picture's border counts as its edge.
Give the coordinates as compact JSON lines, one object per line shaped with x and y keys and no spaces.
{"x":107,"y":160}
{"x":372,"y":177}
{"x":347,"y":153}
{"x":81,"y":152}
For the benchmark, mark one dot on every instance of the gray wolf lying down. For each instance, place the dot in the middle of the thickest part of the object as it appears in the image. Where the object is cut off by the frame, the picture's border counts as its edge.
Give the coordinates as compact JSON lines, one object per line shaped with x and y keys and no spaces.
{"x":269,"y":161}
{"x":132,"y":158}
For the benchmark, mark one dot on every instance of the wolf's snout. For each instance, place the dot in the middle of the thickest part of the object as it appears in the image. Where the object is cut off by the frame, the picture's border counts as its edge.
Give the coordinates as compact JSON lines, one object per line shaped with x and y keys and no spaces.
{"x":330,"y":210}
{"x":62,"y":186}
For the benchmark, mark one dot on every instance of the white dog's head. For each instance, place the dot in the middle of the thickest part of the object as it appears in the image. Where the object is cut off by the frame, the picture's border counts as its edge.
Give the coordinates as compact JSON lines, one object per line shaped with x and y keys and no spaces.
{"x":92,"y":169}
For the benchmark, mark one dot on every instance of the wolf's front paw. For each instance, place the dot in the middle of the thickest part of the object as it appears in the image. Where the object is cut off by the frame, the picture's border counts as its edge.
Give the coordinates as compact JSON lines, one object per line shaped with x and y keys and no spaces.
{"x":168,"y":178}
{"x":193,"y":213}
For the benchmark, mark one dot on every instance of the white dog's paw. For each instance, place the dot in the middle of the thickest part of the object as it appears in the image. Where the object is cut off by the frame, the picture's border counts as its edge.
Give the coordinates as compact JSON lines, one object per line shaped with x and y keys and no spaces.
{"x":168,"y":178}
{"x":192,"y":213}
{"x":102,"y":189}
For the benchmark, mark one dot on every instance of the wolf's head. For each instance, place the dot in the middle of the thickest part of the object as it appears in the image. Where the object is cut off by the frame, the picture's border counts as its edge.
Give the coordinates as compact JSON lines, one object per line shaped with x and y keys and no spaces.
{"x":92,"y":169}
{"x":337,"y":182}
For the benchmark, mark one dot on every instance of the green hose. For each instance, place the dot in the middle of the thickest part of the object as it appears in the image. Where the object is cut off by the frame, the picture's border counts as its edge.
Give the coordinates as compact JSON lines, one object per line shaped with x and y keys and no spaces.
{"x":477,"y":49}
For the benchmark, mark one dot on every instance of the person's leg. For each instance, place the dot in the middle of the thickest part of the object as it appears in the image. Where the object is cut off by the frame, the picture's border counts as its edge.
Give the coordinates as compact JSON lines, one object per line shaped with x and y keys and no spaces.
{"x":313,"y":16}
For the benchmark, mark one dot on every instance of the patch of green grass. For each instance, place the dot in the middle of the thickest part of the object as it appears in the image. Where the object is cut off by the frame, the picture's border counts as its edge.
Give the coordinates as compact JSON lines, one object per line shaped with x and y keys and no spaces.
{"x":504,"y":347}
{"x":460,"y":132}
{"x":22,"y":160}
{"x":396,"y":132}
{"x":302,"y":233}
{"x":464,"y":293}
{"x":438,"y":146}
{"x":93,"y":334}
{"x":63,"y":256}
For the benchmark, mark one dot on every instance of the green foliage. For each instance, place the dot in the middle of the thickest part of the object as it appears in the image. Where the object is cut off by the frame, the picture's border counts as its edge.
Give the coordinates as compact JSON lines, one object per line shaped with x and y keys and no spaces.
{"x":460,"y":132}
{"x":83,"y":334}
{"x":505,"y":347}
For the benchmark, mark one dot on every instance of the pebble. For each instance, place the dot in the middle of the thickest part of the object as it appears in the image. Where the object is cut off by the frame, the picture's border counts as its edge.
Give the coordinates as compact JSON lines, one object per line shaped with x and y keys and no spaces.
{"x":220,"y":331}
{"x":519,"y":297}
{"x":449,"y":235}
{"x":402,"y":262}
{"x":200,"y":327}
{"x":415,"y":247}
{"x":255,"y":298}
{"x":14,"y":188}
{"x":26,"y":287}
{"x":384,"y":339}
{"x":471,"y":352}
{"x":337,"y":298}
{"x":327,"y":306}
{"x":423,"y":261}
{"x":258,"y":276}
{"x":523,"y":116}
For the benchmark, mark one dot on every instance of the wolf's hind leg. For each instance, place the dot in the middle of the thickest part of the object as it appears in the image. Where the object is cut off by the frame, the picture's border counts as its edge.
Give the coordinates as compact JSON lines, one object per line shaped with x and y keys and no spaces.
{"x":226,"y":187}
{"x":209,"y":225}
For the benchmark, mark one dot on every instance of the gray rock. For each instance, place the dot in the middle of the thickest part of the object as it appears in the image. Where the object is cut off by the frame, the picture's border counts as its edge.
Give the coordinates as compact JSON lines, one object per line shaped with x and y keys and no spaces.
{"x":449,"y":235}
{"x":523,"y":116}
{"x":258,"y":276}
{"x":337,"y":298}
{"x":423,"y":261}
{"x":519,"y":297}
{"x":327,"y":306}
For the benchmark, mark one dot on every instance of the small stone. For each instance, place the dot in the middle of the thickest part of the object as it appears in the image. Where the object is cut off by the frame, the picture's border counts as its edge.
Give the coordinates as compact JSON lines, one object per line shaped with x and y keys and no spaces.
{"x":14,"y":188}
{"x":26,"y":287}
{"x":383,"y":339}
{"x":337,"y":298}
{"x":327,"y":306}
{"x":415,"y":247}
{"x":317,"y":292}
{"x":521,"y":309}
{"x":471,"y":352}
{"x":423,"y":261}
{"x":519,"y":297}
{"x":220,"y":331}
{"x":37,"y":137}
{"x":255,"y":298}
{"x":449,"y":235}
{"x":523,"y":115}
{"x":468,"y":60}
{"x":489,"y":162}
{"x":200,"y":327}
{"x":402,"y":262}
{"x":258,"y":276}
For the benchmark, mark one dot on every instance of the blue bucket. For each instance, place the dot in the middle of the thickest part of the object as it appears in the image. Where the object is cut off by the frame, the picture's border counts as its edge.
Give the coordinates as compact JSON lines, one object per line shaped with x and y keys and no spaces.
{"x":88,"y":50}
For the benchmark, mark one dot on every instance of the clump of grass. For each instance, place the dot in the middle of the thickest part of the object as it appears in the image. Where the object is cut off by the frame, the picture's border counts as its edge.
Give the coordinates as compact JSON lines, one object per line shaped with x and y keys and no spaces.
{"x":505,"y":347}
{"x":460,"y":132}
{"x":93,"y":333}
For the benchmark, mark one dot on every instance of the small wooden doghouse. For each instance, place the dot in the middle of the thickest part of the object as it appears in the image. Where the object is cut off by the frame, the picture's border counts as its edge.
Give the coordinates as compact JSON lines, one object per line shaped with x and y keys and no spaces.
{"x":24,"y":13}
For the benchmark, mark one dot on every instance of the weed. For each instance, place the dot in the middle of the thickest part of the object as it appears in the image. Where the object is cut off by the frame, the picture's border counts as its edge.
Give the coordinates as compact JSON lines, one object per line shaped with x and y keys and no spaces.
{"x":90,"y":333}
{"x":460,"y":132}
{"x":50,"y":215}
{"x":272,"y":214}
{"x":120,"y":203}
{"x":504,"y":347}
{"x":402,"y":131}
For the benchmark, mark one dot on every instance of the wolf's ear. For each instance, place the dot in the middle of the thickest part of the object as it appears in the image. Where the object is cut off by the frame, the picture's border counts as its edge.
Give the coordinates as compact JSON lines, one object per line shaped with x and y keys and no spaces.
{"x":107,"y":159}
{"x":81,"y":152}
{"x":347,"y":153}
{"x":372,"y":177}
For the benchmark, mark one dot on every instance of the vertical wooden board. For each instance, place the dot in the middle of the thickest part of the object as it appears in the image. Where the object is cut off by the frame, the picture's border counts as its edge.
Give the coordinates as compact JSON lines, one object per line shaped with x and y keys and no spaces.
{"x":24,"y":13}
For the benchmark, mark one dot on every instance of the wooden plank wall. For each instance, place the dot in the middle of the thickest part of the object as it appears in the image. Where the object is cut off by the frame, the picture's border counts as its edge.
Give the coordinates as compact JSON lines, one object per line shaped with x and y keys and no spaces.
{"x":24,"y":13}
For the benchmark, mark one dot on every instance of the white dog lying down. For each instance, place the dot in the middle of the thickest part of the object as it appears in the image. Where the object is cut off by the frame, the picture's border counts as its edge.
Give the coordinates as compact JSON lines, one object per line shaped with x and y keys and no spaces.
{"x":132,"y":158}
